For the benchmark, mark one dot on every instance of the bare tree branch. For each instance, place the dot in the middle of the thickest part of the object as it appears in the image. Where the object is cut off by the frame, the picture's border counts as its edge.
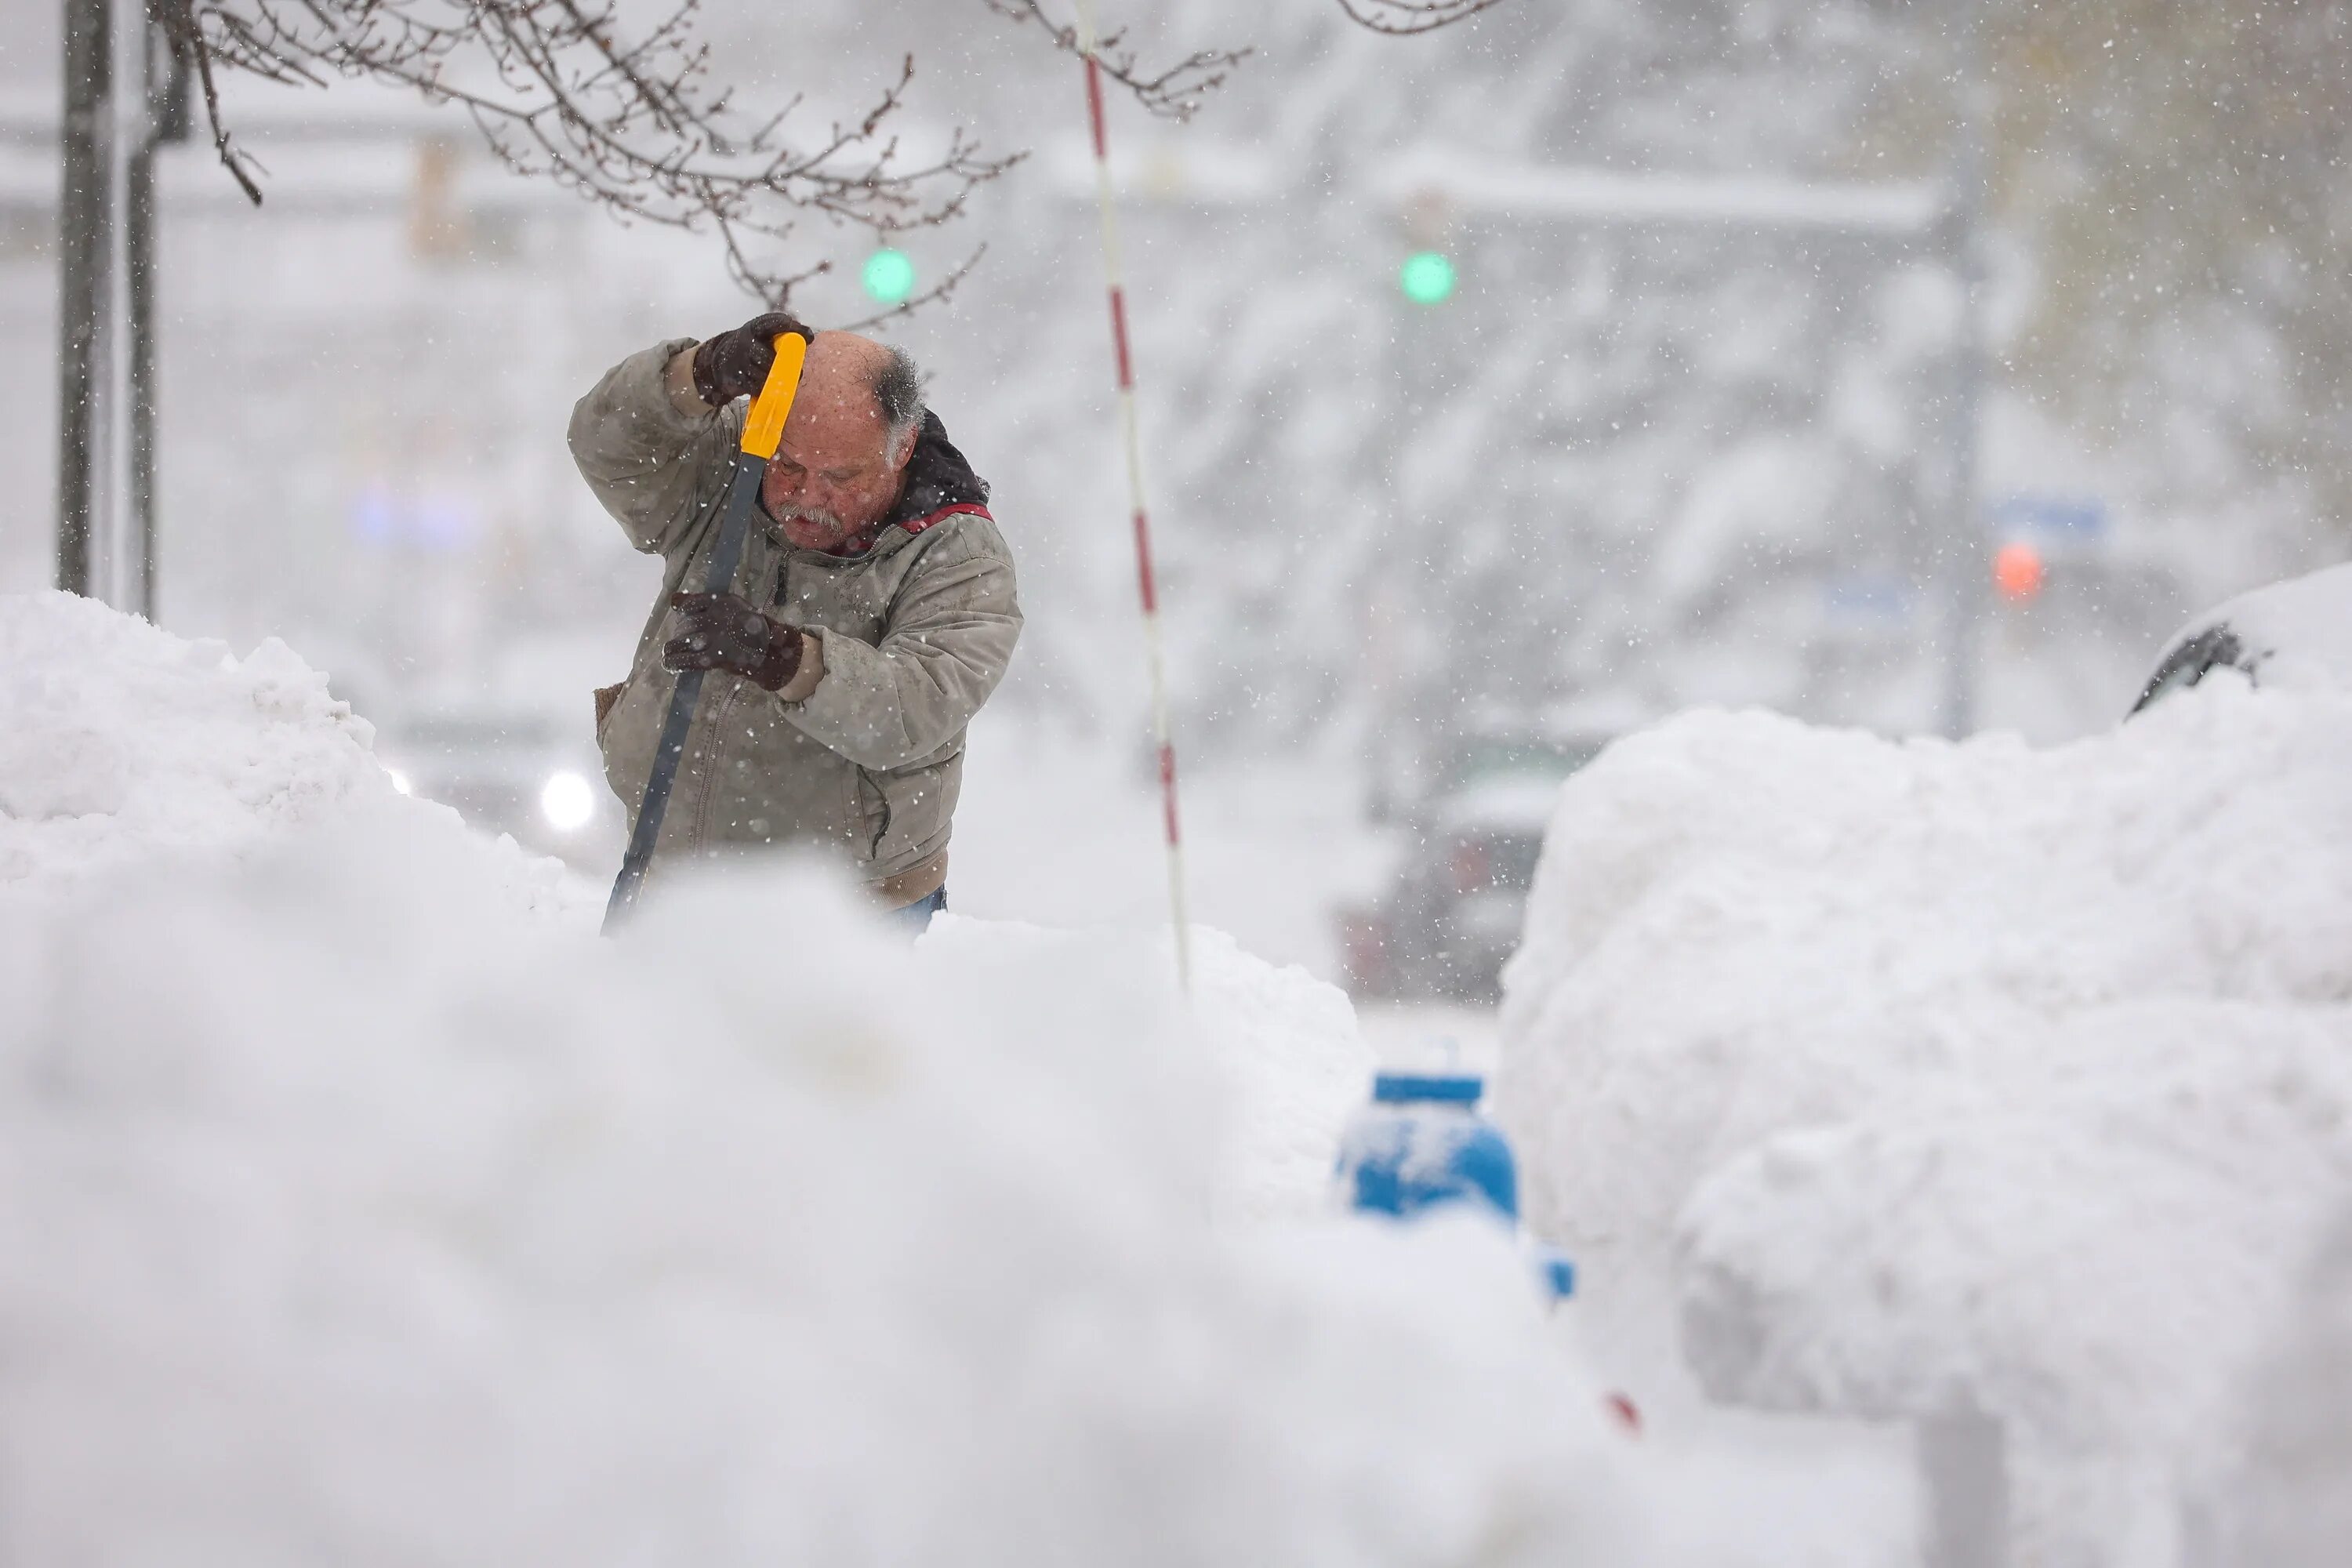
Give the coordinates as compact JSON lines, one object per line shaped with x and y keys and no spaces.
{"x":635,"y":123}
{"x":1403,"y":19}
{"x":179,"y":24}
{"x":1172,"y":94}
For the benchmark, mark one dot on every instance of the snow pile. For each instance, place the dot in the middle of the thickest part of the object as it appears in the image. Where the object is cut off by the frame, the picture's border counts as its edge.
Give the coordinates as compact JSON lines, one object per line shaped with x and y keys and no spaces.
{"x":1906,"y":1078}
{"x":339,"y":1224}
{"x":352,"y":1210}
{"x":118,"y":742}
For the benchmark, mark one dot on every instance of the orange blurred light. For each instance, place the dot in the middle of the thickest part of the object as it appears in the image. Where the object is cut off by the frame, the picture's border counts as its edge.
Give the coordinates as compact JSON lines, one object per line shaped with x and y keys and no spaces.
{"x":2018,"y":570}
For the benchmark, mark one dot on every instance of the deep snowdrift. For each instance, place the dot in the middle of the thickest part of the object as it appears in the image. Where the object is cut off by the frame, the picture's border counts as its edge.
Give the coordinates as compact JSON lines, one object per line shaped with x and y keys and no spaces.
{"x":1901,"y":1076}
{"x":337,"y":1226}
{"x":357,"y":1206}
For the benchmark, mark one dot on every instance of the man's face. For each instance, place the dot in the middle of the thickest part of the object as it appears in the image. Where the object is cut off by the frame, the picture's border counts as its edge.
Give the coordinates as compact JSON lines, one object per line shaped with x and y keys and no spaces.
{"x":833,"y":477}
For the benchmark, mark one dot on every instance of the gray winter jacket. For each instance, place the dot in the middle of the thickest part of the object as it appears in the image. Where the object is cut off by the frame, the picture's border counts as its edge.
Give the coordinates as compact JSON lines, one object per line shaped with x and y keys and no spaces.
{"x":913,"y":635}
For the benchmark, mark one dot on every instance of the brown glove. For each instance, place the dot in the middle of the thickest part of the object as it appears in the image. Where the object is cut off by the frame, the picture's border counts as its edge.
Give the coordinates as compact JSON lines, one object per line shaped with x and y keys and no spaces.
{"x":736,"y":365}
{"x":722,"y":631}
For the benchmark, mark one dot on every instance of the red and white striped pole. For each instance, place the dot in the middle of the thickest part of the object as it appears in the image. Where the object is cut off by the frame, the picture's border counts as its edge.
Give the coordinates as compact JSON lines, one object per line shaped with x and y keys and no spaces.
{"x":1125,"y":360}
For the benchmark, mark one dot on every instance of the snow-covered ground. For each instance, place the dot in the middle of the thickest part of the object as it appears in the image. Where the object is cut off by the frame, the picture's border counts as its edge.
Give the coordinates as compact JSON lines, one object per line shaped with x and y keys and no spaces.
{"x":2286,"y":1500}
{"x":1888,"y":1079}
{"x":359,"y":1204}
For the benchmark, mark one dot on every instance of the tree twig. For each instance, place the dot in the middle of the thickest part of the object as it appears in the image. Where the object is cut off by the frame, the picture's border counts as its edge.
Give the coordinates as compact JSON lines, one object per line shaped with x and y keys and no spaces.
{"x":633,"y":122}
{"x":1174,"y":93}
{"x":1404,"y":19}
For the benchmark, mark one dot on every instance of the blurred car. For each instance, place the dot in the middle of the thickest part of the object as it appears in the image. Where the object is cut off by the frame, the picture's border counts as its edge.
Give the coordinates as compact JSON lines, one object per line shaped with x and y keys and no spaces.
{"x":513,"y":771}
{"x":2294,"y":633}
{"x":1452,"y":915}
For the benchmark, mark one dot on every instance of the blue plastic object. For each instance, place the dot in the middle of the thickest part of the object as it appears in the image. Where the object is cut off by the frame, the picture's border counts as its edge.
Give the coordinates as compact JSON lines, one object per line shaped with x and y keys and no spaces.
{"x":1421,"y":1145}
{"x":1555,"y":1273}
{"x":1427,"y":1089}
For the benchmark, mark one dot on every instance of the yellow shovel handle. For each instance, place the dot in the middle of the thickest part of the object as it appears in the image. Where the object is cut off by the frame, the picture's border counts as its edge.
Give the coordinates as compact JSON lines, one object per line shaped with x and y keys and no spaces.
{"x":764,"y":425}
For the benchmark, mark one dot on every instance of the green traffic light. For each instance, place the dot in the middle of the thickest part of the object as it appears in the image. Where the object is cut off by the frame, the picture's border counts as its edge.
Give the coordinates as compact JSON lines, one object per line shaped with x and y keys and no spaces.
{"x":889,"y":275}
{"x":1426,"y":279}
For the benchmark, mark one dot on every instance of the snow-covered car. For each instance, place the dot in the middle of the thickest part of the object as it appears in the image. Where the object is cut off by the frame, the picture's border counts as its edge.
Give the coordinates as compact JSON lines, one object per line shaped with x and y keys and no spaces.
{"x":1451,"y":916}
{"x":510,"y":770}
{"x":2295,"y":633}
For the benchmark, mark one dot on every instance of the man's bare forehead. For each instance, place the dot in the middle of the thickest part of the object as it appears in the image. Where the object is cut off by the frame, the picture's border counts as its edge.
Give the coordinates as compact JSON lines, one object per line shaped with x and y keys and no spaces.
{"x":841,"y":442}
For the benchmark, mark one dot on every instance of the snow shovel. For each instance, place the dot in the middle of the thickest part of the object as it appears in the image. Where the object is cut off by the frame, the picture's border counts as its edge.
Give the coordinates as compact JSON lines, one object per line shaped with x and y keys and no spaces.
{"x":763,"y":428}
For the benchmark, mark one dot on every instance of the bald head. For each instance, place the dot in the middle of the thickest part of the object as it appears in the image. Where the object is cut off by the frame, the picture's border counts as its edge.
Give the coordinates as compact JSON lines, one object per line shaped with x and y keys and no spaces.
{"x":840,"y":465}
{"x":838,"y":390}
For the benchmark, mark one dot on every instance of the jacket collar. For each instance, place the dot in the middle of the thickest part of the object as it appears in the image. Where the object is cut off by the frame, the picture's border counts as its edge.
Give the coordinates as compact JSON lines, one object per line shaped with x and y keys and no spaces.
{"x":939,"y":481}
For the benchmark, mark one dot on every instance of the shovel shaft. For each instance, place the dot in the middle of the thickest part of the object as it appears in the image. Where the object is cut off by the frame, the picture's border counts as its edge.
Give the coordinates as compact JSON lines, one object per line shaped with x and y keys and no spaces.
{"x":682,"y":701}
{"x":725,"y":555}
{"x":763,"y":426}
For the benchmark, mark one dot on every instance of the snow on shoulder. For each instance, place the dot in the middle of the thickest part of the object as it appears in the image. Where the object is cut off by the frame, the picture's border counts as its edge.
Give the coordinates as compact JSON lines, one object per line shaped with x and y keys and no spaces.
{"x":119,"y":742}
{"x":1910,"y":1076}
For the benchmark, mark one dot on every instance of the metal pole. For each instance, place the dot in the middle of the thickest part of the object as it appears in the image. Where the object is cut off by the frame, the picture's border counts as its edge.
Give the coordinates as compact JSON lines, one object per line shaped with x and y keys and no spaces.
{"x":1147,"y":582}
{"x":82,"y":201}
{"x":1964,"y":1462}
{"x":1966,"y":568}
{"x":1415,"y":738}
{"x":162,"y":119}
{"x":138,"y":265}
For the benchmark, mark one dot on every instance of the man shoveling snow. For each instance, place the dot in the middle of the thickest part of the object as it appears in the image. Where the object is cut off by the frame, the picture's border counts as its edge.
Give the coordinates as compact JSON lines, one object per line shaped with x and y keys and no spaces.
{"x":873,"y":613}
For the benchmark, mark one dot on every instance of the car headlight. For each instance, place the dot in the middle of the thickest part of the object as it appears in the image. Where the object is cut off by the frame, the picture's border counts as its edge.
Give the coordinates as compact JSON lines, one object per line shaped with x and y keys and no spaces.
{"x":567,"y":802}
{"x":399,"y":781}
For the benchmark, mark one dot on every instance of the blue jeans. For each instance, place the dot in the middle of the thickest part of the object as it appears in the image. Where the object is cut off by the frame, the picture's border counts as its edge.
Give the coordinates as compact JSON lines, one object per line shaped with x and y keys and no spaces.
{"x":915,"y":918}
